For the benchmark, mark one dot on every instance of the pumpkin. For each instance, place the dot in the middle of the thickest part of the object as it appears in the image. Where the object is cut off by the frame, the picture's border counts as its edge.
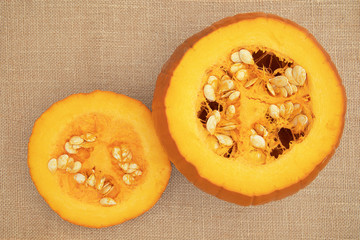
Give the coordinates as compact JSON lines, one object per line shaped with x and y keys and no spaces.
{"x":250,"y":109}
{"x":96,"y":160}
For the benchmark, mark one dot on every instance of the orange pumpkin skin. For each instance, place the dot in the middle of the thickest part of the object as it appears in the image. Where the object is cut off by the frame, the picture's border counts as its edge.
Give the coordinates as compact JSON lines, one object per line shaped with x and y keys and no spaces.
{"x":132,"y":201}
{"x":187,"y":168}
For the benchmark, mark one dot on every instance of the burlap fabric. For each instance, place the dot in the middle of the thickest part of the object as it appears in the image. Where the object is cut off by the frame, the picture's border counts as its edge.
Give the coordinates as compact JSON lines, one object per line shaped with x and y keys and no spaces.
{"x":51,"y":49}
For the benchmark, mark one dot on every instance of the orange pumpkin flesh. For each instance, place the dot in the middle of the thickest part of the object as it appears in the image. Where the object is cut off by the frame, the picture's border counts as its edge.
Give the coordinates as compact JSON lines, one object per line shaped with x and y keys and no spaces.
{"x":115,"y":120}
{"x":179,"y":94}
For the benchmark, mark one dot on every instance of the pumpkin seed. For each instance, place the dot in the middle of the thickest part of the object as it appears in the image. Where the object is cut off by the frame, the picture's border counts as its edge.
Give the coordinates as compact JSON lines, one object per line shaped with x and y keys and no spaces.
{"x":75,"y":168}
{"x":79,"y":178}
{"x":246,"y":56}
{"x":211,"y":124}
{"x":226,"y":85}
{"x":227,"y":94}
{"x":132,"y":168}
{"x":270,"y":88}
{"x":250,"y":82}
{"x":209,"y":93}
{"x":283,"y":92}
{"x":76,"y":146}
{"x":299,"y":75}
{"x":124,"y":166}
{"x":279,"y":81}
{"x":89,"y":137}
{"x":294,"y":88}
{"x":225,"y":77}
{"x":241,"y":74}
{"x":282,"y":110}
{"x":128,"y":158}
{"x":300,"y":120}
{"x":107,"y":202}
{"x":116,"y":153}
{"x":128,"y":179}
{"x":62,"y":161}
{"x":137,"y":173}
{"x":236,"y":67}
{"x":76,"y":140}
{"x":213,"y":81}
{"x":235,"y":57}
{"x":289,"y":89}
{"x":274,"y":111}
{"x":217,"y":115}
{"x":101,"y":183}
{"x":289,"y":108}
{"x":257,"y":141}
{"x":52,"y":165}
{"x":230,"y":112}
{"x":289,"y":76}
{"x":297,"y":109}
{"x":261,"y":130}
{"x":234,"y":96}
{"x":91,"y":181}
{"x":253,"y":132}
{"x":224,"y":140}
{"x":106,"y":189}
{"x":69,"y":148}
{"x":228,"y":127}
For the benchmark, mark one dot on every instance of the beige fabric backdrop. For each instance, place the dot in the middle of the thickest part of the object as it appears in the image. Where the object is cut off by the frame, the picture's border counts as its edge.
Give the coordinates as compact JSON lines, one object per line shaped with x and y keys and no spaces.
{"x":49,"y":50}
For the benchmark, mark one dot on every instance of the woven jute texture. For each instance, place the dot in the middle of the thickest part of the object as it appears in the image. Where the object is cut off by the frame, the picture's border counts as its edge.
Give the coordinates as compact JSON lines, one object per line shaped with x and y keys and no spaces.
{"x":52,"y":49}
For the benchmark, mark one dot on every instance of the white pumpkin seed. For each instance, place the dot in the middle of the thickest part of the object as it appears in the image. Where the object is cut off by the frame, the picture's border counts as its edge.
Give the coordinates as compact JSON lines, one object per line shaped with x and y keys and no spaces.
{"x":274,"y":111}
{"x":52,"y":165}
{"x":107,"y":202}
{"x":270,"y":88}
{"x":257,"y":141}
{"x":246,"y":56}
{"x":76,"y":146}
{"x":230,"y":112}
{"x":261,"y":130}
{"x":211,"y":124}
{"x":236,"y":67}
{"x":106,"y":189}
{"x":250,"y":82}
{"x":228,"y":127}
{"x":279,"y":81}
{"x":282,"y":110}
{"x":241,"y":74}
{"x":235,"y":57}
{"x":217,"y":115}
{"x":125,"y":151}
{"x":209,"y":93}
{"x":253,"y":132}
{"x":283,"y":92}
{"x":224,"y":140}
{"x":289,"y":76}
{"x":101,"y":183}
{"x":227,"y":94}
{"x":91,"y":181}
{"x":132,"y":168}
{"x":289,"y":108}
{"x":74,"y":168}
{"x":289,"y":89}
{"x":234,"y":96}
{"x":116,"y":153}
{"x":128,"y":179}
{"x":79,"y":178}
{"x":226,"y":85}
{"x":76,"y":140}
{"x":137,"y":173}
{"x":299,"y":75}
{"x":213,"y":81}
{"x":89,"y":137}
{"x":294,"y":88}
{"x":62,"y":161}
{"x":124,"y":166}
{"x":300,"y":120}
{"x":69,"y":148}
{"x":297,"y":109}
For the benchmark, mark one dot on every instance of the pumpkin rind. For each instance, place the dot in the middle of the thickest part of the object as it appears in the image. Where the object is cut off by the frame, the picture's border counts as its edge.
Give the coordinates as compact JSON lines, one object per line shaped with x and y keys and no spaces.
{"x":135,"y":200}
{"x":167,"y":115}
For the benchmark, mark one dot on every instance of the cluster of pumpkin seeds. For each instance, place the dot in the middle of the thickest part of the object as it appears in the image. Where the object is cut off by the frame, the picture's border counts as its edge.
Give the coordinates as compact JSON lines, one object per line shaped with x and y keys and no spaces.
{"x":243,"y":74}
{"x":94,"y":180}
{"x":130,"y":169}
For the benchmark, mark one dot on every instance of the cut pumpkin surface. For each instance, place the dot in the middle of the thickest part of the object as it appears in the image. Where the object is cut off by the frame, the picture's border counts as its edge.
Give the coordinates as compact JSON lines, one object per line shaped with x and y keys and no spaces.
{"x":250,"y":109}
{"x":96,"y":160}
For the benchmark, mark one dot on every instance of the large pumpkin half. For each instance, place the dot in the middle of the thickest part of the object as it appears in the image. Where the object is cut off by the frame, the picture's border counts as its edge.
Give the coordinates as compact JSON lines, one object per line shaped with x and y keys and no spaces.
{"x":250,"y":109}
{"x":96,"y":160}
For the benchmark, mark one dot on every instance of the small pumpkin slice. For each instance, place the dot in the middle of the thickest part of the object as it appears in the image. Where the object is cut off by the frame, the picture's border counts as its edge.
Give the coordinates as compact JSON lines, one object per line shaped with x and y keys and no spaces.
{"x":250,"y":109}
{"x":96,"y":160}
